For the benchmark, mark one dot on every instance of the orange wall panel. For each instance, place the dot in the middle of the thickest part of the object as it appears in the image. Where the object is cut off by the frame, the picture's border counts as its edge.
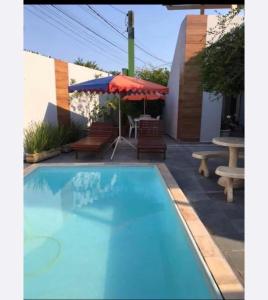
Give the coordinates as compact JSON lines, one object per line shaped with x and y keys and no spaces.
{"x":62,"y":82}
{"x":190,"y":97}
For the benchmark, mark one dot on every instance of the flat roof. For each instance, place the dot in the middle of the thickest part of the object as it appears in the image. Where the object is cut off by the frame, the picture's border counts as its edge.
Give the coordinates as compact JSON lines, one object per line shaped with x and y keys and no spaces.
{"x":198,"y":6}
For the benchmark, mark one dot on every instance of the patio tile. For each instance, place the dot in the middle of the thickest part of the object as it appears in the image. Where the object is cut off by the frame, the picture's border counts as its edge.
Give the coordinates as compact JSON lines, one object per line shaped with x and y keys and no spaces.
{"x":229,"y":244}
{"x":205,"y":207}
{"x":232,"y":291}
{"x":219,"y":224}
{"x":239,"y":225}
{"x":237,"y":260}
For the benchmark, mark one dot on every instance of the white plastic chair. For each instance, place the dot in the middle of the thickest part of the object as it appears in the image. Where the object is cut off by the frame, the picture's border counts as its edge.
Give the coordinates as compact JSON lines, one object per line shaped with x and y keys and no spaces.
{"x":131,"y":125}
{"x":145,"y":117}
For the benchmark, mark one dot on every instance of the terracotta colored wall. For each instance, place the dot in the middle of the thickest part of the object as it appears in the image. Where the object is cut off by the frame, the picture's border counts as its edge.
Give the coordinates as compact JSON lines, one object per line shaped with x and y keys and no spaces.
{"x":190,"y":96}
{"x":62,"y":96}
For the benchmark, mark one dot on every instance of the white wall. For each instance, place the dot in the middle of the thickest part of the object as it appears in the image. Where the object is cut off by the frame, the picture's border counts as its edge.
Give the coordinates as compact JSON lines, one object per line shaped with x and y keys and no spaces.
{"x":211,"y":108}
{"x":172,"y":98}
{"x":210,"y":117}
{"x":80,"y":73}
{"x":212,"y":22}
{"x":39,"y":89}
{"x":82,"y":106}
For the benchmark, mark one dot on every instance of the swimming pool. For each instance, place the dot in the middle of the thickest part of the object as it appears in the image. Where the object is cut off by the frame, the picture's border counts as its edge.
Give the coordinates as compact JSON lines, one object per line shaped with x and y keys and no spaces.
{"x":98,"y":232}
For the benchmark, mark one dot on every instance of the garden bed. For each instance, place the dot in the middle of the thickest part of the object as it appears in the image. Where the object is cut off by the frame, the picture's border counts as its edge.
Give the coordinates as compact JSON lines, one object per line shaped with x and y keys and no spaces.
{"x":36,"y":157}
{"x":43,"y":140}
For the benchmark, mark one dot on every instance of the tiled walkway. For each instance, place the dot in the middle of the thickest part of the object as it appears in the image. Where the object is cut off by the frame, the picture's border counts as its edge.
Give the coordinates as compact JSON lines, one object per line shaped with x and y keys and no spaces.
{"x":225,"y":221}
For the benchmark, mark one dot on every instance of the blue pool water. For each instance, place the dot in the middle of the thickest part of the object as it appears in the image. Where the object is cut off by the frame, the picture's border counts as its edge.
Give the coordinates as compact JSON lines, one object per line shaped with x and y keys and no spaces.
{"x":107,"y":232}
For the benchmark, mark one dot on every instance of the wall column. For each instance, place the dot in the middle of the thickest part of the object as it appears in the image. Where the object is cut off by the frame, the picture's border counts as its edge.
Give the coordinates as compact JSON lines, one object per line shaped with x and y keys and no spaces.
{"x":62,"y":96}
{"x":190,"y":91}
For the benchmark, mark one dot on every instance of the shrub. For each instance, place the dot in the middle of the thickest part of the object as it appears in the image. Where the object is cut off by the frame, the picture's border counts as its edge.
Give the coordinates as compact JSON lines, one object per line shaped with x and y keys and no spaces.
{"x":42,"y":136}
{"x":222,"y":61}
{"x":69,"y":134}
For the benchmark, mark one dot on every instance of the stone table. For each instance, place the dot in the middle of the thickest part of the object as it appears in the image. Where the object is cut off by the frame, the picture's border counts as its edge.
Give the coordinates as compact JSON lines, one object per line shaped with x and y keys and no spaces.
{"x":234,"y":144}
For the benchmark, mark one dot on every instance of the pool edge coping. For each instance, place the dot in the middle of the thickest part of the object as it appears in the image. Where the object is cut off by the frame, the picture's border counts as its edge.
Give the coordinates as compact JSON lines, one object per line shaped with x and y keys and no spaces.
{"x":223,"y":275}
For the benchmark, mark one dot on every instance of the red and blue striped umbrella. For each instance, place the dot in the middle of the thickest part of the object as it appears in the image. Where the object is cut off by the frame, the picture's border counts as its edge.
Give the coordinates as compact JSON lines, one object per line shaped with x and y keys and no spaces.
{"x":119,"y":84}
{"x":123,"y":85}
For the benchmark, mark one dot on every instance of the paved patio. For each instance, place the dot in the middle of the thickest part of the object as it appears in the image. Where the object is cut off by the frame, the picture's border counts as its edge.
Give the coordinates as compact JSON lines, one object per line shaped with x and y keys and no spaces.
{"x":224,"y":221}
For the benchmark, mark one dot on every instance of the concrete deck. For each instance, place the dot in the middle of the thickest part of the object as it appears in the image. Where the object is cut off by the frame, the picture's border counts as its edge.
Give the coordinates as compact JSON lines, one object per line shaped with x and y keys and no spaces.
{"x":224,"y":221}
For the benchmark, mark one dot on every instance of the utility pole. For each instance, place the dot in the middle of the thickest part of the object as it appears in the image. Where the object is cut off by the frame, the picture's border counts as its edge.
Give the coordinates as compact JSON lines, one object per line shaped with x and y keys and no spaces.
{"x":130,"y":29}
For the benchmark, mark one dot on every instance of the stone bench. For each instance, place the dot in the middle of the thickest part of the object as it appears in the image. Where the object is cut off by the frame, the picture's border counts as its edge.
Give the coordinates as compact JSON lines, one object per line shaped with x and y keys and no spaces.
{"x":230,"y":174}
{"x":204,"y":156}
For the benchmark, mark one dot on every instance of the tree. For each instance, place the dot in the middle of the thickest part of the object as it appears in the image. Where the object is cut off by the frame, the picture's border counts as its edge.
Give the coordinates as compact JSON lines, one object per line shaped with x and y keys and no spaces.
{"x":93,"y":65}
{"x":114,"y":72}
{"x":222,"y":61}
{"x":159,"y":75}
{"x":89,"y":64}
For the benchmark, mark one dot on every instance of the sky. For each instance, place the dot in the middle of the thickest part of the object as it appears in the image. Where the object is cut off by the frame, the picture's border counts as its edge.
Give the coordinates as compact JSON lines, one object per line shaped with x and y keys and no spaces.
{"x":50,"y":32}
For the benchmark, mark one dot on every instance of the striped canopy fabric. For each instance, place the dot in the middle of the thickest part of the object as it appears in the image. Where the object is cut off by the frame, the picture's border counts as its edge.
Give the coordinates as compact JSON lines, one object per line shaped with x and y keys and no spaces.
{"x":139,"y":97}
{"x":119,"y":84}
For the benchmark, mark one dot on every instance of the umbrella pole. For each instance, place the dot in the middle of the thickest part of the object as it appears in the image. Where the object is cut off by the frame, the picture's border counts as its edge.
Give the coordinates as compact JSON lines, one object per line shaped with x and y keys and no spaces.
{"x":120,"y":138}
{"x":144,"y":106}
{"x":119,"y":116}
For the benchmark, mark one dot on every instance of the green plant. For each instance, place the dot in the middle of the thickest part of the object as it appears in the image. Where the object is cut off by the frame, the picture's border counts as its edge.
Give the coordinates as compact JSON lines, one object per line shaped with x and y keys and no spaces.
{"x":114,"y":72}
{"x":89,"y":64}
{"x":40,"y":137}
{"x":69,"y":133}
{"x":157,"y":75}
{"x":222,"y":61}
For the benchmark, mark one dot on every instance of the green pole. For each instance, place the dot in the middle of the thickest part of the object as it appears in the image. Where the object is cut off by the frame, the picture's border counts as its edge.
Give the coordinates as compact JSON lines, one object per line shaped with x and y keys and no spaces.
{"x":131,"y":66}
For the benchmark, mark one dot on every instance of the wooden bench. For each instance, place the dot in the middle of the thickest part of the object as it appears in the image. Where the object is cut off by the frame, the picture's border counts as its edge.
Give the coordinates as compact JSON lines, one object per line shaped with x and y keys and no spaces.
{"x":90,"y":144}
{"x":205,"y":155}
{"x":151,"y":145}
{"x":99,"y":135}
{"x":150,"y":138}
{"x":230,"y":174}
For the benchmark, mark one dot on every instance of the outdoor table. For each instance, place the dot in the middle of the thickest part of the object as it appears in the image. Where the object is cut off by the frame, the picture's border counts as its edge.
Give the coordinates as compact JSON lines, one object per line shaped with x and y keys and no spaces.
{"x":234,"y":144}
{"x":137,"y":120}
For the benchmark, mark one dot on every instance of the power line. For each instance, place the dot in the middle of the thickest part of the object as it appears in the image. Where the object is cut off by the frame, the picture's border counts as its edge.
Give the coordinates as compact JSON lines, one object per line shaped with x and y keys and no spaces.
{"x":78,"y":34}
{"x":94,"y":32}
{"x":89,"y":29}
{"x":163,"y":65}
{"x":60,"y":29}
{"x":47,"y":21}
{"x":138,"y":46}
{"x":119,"y":10}
{"x":106,"y":21}
{"x":86,"y":10}
{"x":56,"y":14}
{"x":155,"y":57}
{"x":72,"y":24}
{"x":109,"y":23}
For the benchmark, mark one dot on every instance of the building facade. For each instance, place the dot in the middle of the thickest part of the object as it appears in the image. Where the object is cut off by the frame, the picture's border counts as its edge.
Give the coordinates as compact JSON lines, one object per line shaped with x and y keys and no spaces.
{"x":190,"y":113}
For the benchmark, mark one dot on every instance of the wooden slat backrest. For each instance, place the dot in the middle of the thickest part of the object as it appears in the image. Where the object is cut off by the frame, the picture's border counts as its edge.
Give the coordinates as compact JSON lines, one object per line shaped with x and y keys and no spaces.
{"x":101,"y":129}
{"x":150,"y":128}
